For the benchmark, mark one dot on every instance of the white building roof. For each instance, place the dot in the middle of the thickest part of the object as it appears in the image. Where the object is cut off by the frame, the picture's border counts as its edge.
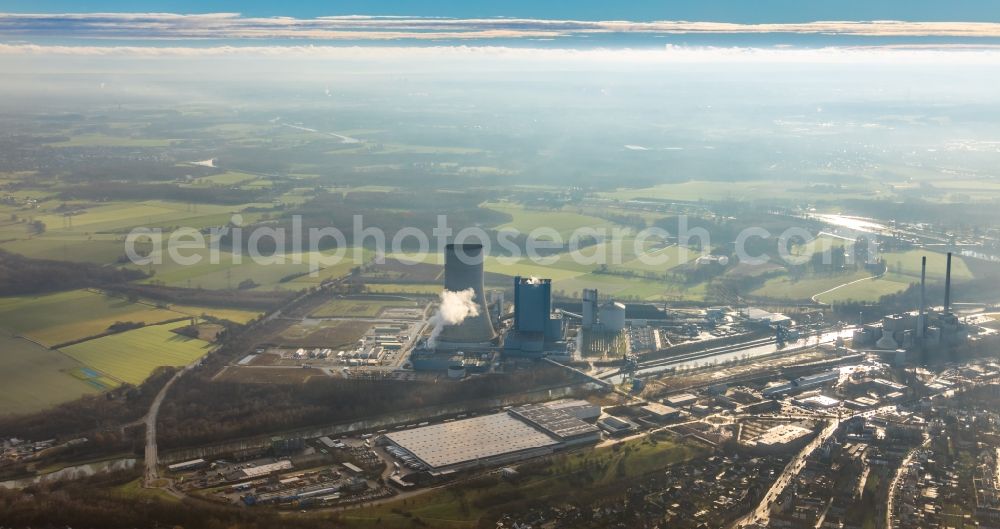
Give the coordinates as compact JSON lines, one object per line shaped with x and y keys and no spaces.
{"x":264,"y":470}
{"x":487,"y":436}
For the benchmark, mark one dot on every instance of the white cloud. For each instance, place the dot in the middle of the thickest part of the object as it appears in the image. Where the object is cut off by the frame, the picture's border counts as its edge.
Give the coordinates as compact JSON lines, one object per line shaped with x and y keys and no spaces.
{"x":951,"y":55}
{"x":360,"y":27}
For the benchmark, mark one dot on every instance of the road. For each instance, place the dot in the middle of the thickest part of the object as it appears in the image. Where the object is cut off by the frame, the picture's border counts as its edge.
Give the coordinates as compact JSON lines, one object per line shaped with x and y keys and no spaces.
{"x":815,"y":297}
{"x":761,"y":514}
{"x":152,"y":459}
{"x":899,"y":476}
{"x":151,"y":474}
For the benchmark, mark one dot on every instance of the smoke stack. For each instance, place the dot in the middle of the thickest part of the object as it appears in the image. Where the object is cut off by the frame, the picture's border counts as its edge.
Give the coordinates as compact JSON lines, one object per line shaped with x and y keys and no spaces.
{"x":923,"y":284}
{"x":463,"y":271}
{"x":947,"y":285}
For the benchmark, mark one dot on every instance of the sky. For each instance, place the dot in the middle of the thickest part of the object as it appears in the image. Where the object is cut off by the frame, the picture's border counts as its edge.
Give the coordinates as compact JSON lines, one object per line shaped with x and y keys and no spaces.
{"x":727,"y":30}
{"x":743,"y":11}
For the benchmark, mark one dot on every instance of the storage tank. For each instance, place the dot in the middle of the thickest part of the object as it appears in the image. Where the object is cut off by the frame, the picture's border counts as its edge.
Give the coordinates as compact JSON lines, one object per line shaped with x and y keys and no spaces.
{"x":612,"y":316}
{"x":463,"y":270}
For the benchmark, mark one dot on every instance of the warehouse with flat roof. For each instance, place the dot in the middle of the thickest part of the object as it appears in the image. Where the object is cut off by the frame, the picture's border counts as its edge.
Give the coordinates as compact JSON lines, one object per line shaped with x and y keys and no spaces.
{"x":489,"y":439}
{"x":558,"y":422}
{"x":519,"y":433}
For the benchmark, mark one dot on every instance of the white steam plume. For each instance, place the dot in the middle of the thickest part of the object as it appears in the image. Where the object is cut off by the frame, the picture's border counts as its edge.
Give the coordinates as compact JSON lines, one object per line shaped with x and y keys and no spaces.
{"x":455,"y":307}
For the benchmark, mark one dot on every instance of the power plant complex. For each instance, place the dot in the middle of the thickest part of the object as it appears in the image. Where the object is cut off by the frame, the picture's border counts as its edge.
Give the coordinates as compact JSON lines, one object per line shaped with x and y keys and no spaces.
{"x":483,"y":330}
{"x":924,"y":332}
{"x":473,"y":328}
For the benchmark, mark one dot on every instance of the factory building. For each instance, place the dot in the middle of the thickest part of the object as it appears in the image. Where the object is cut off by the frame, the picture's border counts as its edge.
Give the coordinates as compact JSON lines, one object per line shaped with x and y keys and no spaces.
{"x":802,"y":384}
{"x":536,"y":329}
{"x":427,"y":360}
{"x":660,"y":412}
{"x":500,"y":438}
{"x":612,"y":316}
{"x":779,"y":438}
{"x":559,"y":423}
{"x":463,"y":270}
{"x":607,"y":317}
{"x":602,"y":326}
{"x":188,"y":465}
{"x":766,"y":318}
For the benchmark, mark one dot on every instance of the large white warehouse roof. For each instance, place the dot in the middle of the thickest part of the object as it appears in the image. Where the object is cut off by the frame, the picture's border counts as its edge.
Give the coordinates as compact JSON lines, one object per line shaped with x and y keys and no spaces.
{"x":479,"y":438}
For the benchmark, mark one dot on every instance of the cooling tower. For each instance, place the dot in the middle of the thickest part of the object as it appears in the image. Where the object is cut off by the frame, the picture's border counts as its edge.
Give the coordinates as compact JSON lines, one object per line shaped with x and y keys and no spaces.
{"x":463,"y":269}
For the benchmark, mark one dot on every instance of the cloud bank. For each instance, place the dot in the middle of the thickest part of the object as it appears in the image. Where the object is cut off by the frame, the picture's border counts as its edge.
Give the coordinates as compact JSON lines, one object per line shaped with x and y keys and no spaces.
{"x":987,"y":55}
{"x":218,"y":26}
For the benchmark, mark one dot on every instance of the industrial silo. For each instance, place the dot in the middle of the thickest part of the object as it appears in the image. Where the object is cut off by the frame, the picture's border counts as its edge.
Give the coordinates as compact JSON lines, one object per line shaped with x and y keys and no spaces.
{"x":612,"y":316}
{"x":589,"y":307}
{"x":463,"y":270}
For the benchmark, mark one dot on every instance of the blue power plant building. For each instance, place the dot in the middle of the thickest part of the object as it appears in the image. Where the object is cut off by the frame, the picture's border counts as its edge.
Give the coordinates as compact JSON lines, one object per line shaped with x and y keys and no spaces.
{"x":535,"y":329}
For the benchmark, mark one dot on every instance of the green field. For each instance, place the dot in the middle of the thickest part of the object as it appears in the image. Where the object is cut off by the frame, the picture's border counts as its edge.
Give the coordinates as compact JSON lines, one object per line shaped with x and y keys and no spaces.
{"x":903,"y":269}
{"x":133,"y":355}
{"x":229,"y":270}
{"x":229,"y":178}
{"x":562,"y":221}
{"x":528,"y":268}
{"x":358,"y":308}
{"x":103,"y":140}
{"x":778,"y":188}
{"x":123,"y":215}
{"x":867,"y":290}
{"x":404,"y":289}
{"x":632,"y":288}
{"x":69,"y":247}
{"x":787,"y":287}
{"x":54,"y":319}
{"x":35,"y":378}
{"x":908,"y":264}
{"x":672,"y":255}
{"x":233,"y":315}
{"x":400,"y":148}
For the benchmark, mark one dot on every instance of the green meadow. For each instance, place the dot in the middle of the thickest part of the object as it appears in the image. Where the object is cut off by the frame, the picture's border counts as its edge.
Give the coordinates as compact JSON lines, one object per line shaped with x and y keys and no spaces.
{"x":133,"y":355}
{"x":35,"y":378}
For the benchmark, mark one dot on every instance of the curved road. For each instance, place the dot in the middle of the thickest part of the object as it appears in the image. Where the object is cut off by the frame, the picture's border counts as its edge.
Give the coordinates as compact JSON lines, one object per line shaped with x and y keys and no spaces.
{"x":815,"y":297}
{"x":152,"y":458}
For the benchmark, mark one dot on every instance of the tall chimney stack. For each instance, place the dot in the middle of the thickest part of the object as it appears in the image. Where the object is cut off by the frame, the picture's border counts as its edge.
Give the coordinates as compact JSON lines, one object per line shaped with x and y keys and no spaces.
{"x":921,"y":318}
{"x":947,"y":285}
